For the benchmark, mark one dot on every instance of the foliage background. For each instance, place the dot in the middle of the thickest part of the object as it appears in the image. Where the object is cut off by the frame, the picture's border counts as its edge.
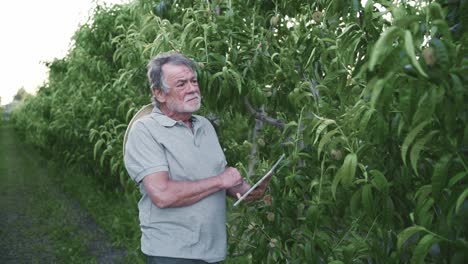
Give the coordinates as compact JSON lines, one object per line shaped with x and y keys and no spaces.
{"x":367,"y":100}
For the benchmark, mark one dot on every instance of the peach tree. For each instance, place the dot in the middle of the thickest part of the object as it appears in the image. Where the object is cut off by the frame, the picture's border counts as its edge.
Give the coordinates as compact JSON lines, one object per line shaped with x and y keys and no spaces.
{"x":367,"y":99}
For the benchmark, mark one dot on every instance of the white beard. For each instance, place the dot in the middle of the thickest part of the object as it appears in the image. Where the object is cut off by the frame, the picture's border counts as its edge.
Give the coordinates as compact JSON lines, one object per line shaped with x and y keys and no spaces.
{"x":186,"y":107}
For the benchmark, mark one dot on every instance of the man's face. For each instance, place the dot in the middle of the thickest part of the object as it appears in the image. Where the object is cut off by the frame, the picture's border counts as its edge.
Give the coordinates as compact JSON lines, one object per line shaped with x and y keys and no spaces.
{"x":183,"y":95}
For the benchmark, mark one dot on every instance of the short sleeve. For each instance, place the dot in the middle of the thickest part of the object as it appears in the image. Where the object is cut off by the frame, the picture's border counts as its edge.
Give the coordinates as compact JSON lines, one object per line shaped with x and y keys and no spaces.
{"x":144,"y":155}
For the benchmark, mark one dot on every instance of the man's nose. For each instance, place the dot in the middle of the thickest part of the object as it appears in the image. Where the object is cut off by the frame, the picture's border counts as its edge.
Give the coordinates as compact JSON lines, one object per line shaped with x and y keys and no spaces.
{"x":192,"y":87}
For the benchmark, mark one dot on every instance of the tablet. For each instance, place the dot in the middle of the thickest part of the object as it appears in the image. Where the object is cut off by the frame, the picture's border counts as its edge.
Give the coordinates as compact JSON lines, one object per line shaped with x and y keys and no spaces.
{"x":259,"y":181}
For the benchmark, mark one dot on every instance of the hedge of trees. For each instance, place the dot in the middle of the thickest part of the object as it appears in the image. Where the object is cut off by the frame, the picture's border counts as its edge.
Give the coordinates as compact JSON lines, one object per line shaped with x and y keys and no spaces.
{"x":367,"y":99}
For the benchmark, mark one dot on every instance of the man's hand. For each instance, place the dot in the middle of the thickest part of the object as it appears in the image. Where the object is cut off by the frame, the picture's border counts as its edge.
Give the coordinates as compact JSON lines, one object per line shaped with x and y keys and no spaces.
{"x":258,"y":192}
{"x":230,"y":177}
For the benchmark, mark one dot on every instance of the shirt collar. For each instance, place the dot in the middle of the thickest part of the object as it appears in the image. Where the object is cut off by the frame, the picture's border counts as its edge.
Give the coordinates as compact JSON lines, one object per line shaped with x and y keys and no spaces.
{"x":166,"y":121}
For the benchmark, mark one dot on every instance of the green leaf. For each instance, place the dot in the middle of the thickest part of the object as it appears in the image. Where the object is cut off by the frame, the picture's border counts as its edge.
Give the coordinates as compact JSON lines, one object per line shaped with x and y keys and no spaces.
{"x":321,"y":127}
{"x":97,"y":146}
{"x":420,"y":252}
{"x":424,"y":212}
{"x":325,"y":139}
{"x":376,"y":90}
{"x":308,"y":250}
{"x":440,"y":52}
{"x":435,"y":11}
{"x":458,"y":90}
{"x":187,"y":29}
{"x":379,"y":180}
{"x":350,"y":28}
{"x":416,"y":149}
{"x":348,"y":169}
{"x":114,"y":166}
{"x":354,"y":203}
{"x":440,"y":175}
{"x":310,"y":58}
{"x":290,"y":125}
{"x":423,"y":193}
{"x":92,"y":133}
{"x":410,"y":138}
{"x":407,"y":233}
{"x":365,"y":119}
{"x":129,"y":114}
{"x":195,"y":41}
{"x":460,"y":200}
{"x":409,"y":47}
{"x":345,"y":173}
{"x":237,"y":77}
{"x":367,"y":198}
{"x":212,"y":79}
{"x":442,"y":29}
{"x":455,"y":179}
{"x":104,"y":154}
{"x":383,"y":44}
{"x":335,"y":182}
{"x":427,"y":104}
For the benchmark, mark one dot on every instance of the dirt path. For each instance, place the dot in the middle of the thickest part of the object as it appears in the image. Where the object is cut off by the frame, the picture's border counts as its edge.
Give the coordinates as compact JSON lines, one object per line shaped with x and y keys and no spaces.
{"x":38,"y":223}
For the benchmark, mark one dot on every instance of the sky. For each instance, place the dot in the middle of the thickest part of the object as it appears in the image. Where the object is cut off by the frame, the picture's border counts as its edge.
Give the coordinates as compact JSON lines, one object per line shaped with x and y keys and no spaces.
{"x":33,"y":32}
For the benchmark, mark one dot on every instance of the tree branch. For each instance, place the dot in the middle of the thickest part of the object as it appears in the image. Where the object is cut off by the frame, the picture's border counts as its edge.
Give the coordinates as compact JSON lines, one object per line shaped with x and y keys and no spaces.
{"x":260,"y":115}
{"x":253,"y":152}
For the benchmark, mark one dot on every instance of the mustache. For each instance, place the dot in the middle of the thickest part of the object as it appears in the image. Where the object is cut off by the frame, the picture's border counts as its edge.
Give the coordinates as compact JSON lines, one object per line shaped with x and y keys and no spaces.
{"x":195,"y":96}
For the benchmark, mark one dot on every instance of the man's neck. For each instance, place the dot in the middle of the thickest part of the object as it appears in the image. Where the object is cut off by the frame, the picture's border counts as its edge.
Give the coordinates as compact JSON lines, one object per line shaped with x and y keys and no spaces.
{"x":184,"y":117}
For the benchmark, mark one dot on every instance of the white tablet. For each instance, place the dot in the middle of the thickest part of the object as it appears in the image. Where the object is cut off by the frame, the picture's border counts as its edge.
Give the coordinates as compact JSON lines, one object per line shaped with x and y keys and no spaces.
{"x":259,"y":181}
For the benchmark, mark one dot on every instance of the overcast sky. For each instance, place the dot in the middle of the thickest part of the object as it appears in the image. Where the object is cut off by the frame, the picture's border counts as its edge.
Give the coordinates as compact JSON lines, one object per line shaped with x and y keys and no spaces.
{"x":33,"y":32}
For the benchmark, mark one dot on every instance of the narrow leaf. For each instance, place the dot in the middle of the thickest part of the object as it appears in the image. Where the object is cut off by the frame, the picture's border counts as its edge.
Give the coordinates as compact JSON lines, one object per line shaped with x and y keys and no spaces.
{"x":422,"y":248}
{"x":367,"y":198}
{"x":455,"y":179}
{"x":325,"y":139}
{"x":237,"y":77}
{"x":409,"y":47}
{"x":410,"y":138}
{"x":321,"y":127}
{"x":440,"y":175}
{"x":365,"y":119}
{"x":97,"y":146}
{"x":349,"y":169}
{"x":335,"y":182}
{"x":417,"y":148}
{"x":382,"y":46}
{"x":212,"y":79}
{"x":424,"y":214}
{"x":460,"y":200}
{"x":354,"y":203}
{"x":379,"y":180}
{"x":129,"y":114}
{"x":435,"y":10}
{"x":407,"y":233}
{"x":376,"y":90}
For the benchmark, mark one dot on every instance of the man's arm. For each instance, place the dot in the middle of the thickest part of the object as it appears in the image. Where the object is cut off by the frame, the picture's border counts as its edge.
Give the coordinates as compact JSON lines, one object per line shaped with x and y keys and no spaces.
{"x":166,"y":193}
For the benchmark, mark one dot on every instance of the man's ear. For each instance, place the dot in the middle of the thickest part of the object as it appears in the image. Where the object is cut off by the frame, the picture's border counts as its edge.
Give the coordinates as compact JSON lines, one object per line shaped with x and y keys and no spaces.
{"x":160,"y":95}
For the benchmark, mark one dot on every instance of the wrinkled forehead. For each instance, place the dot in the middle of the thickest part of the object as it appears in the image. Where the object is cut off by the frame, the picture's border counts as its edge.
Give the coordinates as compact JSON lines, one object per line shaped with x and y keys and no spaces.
{"x":177,"y":71}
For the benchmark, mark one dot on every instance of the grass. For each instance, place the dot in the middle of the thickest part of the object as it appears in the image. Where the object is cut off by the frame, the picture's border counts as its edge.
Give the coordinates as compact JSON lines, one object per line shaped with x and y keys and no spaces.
{"x":37,"y":224}
{"x":112,"y":211}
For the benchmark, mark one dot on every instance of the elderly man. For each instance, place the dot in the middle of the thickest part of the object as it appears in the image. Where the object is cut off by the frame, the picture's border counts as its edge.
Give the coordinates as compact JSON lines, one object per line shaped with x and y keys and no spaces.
{"x":180,"y":167}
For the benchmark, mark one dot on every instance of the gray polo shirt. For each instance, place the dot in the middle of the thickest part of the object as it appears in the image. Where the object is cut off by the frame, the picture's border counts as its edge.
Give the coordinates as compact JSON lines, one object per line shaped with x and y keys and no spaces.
{"x":159,"y":143}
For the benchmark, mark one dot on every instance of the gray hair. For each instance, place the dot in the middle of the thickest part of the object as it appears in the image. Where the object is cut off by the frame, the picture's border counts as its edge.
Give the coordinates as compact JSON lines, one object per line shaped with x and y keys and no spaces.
{"x":156,"y":74}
